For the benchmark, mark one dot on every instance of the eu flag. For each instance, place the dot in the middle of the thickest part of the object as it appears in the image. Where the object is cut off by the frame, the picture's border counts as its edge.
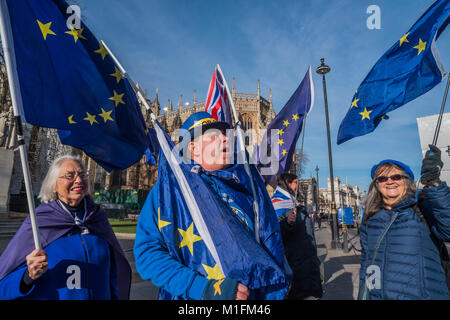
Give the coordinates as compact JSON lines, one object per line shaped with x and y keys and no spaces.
{"x":287,"y":126}
{"x":407,"y":70}
{"x":206,"y":233}
{"x":69,"y":82}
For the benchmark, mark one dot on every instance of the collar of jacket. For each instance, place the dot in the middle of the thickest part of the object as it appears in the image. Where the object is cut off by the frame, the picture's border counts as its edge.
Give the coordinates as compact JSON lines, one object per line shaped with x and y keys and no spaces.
{"x":400,"y":206}
{"x":221,"y":174}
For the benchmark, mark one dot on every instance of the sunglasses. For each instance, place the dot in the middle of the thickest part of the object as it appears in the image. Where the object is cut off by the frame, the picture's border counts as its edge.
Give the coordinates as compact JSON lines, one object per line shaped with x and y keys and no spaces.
{"x":395,"y":177}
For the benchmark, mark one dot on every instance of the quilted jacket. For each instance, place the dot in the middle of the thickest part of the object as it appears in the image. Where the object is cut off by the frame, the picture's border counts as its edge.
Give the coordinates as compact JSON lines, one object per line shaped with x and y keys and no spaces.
{"x":407,"y":265}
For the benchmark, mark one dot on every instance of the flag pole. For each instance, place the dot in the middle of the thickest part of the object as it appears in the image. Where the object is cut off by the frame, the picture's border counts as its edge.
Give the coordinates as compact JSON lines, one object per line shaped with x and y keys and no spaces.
{"x":242,"y":156}
{"x":300,"y":162}
{"x":8,"y":51}
{"x":178,"y":173}
{"x":438,"y":125}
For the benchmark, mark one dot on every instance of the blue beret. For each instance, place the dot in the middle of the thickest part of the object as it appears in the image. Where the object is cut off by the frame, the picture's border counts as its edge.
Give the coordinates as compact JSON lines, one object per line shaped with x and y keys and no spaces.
{"x":407,"y":169}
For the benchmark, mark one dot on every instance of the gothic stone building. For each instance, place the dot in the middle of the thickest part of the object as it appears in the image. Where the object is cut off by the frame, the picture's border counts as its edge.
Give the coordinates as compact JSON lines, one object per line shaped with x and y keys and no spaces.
{"x":254,"y":112}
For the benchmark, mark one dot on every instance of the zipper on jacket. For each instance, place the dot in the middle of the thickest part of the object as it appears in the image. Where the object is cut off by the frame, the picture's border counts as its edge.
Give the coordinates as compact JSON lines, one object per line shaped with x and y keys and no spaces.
{"x":87,"y":265}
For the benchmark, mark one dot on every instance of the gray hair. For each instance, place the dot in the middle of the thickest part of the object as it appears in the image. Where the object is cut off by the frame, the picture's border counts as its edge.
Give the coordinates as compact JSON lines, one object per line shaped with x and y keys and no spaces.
{"x":47,"y":192}
{"x":374,"y":200}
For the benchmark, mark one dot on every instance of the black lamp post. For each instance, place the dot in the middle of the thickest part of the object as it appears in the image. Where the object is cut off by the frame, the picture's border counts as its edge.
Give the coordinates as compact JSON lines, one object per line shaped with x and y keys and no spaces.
{"x":318,"y":194}
{"x":324,"y":69}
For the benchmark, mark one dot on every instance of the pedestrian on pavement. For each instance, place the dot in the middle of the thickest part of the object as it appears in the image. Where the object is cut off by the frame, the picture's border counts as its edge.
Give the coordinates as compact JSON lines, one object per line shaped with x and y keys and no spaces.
{"x":178,"y":261}
{"x":317,"y":219}
{"x":80,"y":258}
{"x":408,"y":227}
{"x":297,"y":230}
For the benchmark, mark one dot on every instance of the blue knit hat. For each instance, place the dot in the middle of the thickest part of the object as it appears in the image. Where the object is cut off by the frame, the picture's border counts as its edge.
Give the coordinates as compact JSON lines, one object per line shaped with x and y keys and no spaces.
{"x":405,"y":168}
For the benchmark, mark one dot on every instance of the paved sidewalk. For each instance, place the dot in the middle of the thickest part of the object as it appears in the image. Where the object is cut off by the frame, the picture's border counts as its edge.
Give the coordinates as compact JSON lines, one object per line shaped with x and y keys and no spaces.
{"x":140,"y":289}
{"x":341,"y":269}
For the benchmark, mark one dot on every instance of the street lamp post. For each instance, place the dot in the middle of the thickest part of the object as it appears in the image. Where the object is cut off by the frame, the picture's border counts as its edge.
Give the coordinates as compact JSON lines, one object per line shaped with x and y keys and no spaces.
{"x":324,"y":69}
{"x":318,"y":194}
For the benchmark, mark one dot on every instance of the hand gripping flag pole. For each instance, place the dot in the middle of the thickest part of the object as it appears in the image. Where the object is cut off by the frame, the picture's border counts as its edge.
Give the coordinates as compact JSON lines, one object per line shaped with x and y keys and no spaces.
{"x":8,"y":50}
{"x":181,"y":179}
{"x":242,"y":158}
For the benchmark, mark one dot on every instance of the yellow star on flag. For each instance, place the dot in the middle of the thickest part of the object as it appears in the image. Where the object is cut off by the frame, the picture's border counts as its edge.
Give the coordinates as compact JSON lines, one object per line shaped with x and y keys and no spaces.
{"x":404,"y":39}
{"x":117,"y":98}
{"x":280,"y":132}
{"x":106,"y":115}
{"x":284,"y":152}
{"x":117,"y":74}
{"x":217,"y":287}
{"x":101,"y":50}
{"x":76,"y":34}
{"x":421,"y":46}
{"x":45,"y":29}
{"x":189,"y":238}
{"x":71,"y":121}
{"x":295,"y":117}
{"x":90,"y":118}
{"x":365,"y":114}
{"x":162,"y":223}
{"x":354,"y":103}
{"x":213,"y":273}
{"x":280,"y":142}
{"x":286,"y":122}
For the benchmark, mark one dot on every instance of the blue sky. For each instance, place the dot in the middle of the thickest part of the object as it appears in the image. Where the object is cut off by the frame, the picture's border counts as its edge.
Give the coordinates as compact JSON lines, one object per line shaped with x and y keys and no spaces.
{"x":174,"y":45}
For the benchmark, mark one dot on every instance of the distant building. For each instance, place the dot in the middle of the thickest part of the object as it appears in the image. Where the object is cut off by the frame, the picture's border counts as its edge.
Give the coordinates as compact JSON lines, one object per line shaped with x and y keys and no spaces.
{"x":345,"y":195}
{"x":254,"y":112}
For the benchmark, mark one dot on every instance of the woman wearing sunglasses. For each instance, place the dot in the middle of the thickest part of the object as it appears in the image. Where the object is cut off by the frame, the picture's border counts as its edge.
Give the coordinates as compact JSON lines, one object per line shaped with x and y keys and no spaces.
{"x":403,"y":232}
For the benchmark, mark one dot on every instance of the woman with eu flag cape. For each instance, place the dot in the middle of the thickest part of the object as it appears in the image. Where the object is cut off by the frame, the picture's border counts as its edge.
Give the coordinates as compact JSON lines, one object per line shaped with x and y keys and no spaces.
{"x":81,"y":258}
{"x":169,"y":250}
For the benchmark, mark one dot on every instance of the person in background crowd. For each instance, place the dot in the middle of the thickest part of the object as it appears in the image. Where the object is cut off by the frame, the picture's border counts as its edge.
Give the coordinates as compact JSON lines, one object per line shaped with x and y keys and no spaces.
{"x":297,"y":230}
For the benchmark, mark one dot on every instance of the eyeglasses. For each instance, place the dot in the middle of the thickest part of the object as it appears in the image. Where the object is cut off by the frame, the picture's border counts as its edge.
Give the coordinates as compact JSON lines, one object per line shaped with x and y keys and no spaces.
{"x":72,"y":176}
{"x":395,"y":177}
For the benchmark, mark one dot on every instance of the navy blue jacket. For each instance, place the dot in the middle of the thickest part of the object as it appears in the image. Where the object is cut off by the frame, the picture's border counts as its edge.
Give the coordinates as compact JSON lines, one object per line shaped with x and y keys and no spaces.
{"x":407,"y":265}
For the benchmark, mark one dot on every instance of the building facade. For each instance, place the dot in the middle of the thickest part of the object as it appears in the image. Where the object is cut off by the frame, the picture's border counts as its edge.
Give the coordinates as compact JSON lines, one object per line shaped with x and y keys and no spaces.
{"x":345,"y":195}
{"x":254,"y":112}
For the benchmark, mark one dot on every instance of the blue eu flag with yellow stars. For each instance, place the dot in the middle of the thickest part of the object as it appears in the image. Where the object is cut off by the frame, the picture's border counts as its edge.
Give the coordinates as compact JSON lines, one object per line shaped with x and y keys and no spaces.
{"x":287,"y":125}
{"x":68,"y":81}
{"x":407,"y":70}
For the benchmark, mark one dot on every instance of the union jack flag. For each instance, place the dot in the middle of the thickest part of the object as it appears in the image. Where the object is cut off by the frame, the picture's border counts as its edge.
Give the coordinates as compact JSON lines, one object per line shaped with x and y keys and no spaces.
{"x":217,"y":100}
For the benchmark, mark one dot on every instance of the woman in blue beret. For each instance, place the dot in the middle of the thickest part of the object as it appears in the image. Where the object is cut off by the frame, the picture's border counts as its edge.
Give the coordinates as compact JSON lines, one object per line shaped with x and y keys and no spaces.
{"x":403,"y":233}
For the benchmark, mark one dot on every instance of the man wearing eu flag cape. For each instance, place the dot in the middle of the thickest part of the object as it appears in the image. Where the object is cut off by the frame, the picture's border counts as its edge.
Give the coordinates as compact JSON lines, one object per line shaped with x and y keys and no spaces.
{"x":218,"y":258}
